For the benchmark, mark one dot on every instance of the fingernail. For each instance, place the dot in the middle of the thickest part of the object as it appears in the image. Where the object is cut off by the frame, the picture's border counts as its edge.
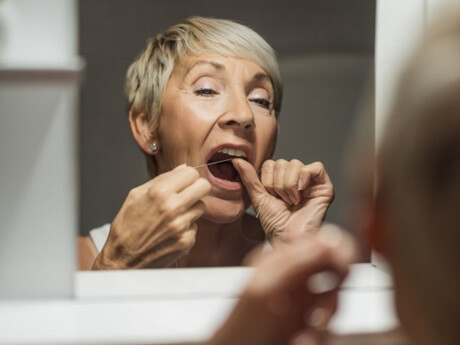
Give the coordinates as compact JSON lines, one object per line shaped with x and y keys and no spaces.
{"x":317,"y":318}
{"x":322,"y":282}
{"x":299,"y":184}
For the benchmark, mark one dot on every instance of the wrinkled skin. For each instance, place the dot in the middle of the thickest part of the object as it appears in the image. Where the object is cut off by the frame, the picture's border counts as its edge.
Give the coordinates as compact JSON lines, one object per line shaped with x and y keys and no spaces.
{"x":289,"y":195}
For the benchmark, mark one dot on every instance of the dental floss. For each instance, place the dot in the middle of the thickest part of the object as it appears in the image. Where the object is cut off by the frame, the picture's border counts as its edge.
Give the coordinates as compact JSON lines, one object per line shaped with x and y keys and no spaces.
{"x":203,"y":165}
{"x":225,"y":160}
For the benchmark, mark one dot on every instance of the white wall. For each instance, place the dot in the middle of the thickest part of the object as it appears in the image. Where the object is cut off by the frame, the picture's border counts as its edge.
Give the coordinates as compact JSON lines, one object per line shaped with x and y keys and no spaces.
{"x":38,"y":31}
{"x":399,"y":27}
{"x":39,"y":74}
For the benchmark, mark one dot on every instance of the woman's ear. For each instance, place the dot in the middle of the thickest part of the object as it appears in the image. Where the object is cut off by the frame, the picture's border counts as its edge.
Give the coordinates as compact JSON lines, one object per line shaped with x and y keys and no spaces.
{"x":146,"y":140}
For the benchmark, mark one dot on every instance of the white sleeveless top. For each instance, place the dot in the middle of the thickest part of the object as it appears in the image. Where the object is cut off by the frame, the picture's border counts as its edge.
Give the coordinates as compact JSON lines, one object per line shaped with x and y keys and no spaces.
{"x":99,"y":236}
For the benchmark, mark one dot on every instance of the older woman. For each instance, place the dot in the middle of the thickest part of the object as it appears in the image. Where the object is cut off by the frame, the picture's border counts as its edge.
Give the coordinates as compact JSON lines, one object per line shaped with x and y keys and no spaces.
{"x":204,"y":98}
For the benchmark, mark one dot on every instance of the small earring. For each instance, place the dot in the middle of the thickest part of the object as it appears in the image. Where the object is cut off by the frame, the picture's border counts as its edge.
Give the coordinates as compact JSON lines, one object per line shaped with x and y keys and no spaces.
{"x":154,"y":147}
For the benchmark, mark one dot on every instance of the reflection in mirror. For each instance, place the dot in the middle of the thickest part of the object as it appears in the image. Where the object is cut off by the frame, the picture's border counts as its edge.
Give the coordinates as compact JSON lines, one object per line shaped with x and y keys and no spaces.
{"x":221,"y":101}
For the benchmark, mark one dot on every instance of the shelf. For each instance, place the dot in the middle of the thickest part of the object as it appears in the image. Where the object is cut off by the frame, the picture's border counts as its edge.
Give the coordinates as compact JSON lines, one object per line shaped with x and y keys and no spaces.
{"x":39,"y":70}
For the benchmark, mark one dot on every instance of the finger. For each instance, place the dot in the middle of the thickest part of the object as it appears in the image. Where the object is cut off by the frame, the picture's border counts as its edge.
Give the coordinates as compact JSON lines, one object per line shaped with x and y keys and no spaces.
{"x":194,"y":192}
{"x":291,"y":180}
{"x":335,"y":237}
{"x":266,"y":176}
{"x":320,"y":309}
{"x":279,"y":171}
{"x":188,"y":240}
{"x":310,"y":173}
{"x":185,"y":222}
{"x":250,"y":180}
{"x":195,"y":213}
{"x":317,"y":311}
{"x":319,"y":315}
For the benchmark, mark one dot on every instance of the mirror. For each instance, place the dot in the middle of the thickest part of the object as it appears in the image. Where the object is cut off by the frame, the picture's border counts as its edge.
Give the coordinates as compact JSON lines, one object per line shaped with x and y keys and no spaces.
{"x":326,"y":55}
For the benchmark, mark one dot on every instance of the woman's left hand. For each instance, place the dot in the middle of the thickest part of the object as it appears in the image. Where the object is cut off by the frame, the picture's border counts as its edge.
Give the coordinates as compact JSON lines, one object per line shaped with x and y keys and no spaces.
{"x":290,"y":198}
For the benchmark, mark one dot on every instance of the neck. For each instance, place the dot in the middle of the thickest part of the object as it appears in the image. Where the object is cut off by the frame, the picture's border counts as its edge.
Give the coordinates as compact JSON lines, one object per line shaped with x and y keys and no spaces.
{"x":215,"y":245}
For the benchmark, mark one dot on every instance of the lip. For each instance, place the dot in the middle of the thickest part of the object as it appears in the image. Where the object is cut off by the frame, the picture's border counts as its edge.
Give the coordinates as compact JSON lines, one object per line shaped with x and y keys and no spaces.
{"x":225,"y":184}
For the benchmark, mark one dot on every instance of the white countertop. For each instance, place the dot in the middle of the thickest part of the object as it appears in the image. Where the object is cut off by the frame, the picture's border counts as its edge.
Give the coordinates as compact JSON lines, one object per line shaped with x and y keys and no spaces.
{"x":172,"y":307}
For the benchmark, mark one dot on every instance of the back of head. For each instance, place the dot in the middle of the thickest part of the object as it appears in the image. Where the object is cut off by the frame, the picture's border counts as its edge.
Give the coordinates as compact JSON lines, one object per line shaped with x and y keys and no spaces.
{"x":419,"y":173}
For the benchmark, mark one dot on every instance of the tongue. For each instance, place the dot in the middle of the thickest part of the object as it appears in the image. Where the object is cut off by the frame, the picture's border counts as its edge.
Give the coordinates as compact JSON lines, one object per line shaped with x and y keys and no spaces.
{"x":224,"y":171}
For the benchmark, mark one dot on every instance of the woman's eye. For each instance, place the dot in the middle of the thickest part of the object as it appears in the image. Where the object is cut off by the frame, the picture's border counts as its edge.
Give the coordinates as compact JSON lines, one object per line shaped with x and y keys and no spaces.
{"x":264,"y":103}
{"x":205,"y":92}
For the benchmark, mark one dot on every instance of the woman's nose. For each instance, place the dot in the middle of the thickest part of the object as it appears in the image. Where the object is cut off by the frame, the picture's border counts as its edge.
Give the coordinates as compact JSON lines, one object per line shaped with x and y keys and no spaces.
{"x":239,"y":116}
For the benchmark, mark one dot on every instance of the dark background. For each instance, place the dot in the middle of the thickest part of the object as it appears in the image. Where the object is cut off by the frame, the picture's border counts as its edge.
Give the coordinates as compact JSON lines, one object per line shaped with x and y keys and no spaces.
{"x":326,"y":54}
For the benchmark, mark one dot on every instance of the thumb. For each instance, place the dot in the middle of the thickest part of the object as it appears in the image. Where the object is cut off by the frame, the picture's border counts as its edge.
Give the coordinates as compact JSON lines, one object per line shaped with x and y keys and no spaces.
{"x":250,"y":180}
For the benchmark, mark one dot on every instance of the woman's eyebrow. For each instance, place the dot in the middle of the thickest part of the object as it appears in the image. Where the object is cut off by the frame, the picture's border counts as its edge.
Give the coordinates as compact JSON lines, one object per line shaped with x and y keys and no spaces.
{"x":261,"y":78}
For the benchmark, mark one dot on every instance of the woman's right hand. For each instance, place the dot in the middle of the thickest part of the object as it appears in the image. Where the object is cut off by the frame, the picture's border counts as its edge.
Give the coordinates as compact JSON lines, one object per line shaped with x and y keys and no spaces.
{"x":156,"y":224}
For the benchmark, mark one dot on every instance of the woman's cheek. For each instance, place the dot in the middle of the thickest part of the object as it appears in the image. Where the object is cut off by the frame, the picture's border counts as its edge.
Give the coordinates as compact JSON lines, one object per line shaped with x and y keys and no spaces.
{"x":269,"y":134}
{"x":207,"y":110}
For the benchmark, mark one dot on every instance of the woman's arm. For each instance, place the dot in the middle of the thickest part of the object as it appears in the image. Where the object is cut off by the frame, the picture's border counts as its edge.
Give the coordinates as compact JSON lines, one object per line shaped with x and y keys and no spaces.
{"x":87,"y":253}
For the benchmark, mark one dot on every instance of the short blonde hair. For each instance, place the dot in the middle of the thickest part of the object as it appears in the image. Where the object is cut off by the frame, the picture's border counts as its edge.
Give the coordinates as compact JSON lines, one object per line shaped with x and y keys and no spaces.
{"x":149,"y":74}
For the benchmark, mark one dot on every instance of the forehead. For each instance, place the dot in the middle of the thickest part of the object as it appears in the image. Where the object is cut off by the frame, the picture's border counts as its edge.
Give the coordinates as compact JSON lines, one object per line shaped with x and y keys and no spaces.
{"x":220,"y":63}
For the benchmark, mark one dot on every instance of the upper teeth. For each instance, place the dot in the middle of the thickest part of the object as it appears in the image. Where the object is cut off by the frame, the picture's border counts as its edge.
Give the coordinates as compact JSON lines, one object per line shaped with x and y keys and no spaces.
{"x":233,"y":152}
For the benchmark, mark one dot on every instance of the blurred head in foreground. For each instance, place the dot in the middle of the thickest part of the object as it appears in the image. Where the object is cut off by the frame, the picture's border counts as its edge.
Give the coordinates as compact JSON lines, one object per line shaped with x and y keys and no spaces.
{"x":416,"y":224}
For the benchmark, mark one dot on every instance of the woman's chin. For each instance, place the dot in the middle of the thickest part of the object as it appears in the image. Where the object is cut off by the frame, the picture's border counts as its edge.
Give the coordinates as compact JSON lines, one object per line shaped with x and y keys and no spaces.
{"x":223,"y":211}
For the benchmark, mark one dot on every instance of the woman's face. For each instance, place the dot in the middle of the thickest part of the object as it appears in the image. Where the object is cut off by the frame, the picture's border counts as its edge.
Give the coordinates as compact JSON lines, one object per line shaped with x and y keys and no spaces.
{"x":217,"y":108}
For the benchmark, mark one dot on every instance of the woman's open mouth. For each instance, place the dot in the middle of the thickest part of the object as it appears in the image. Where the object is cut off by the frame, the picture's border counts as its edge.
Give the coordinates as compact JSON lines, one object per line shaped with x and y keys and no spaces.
{"x":221,"y":169}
